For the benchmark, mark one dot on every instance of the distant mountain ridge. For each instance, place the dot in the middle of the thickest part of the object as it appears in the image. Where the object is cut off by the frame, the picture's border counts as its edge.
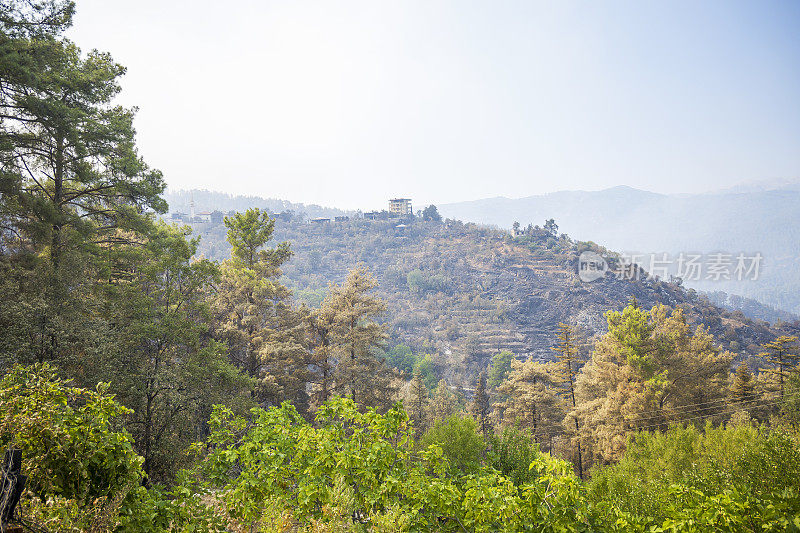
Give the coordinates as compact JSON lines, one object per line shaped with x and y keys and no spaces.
{"x":180,"y":201}
{"x":763,"y":219}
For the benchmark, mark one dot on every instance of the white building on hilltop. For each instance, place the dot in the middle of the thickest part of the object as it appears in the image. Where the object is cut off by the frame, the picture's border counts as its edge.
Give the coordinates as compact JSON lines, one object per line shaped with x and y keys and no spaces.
{"x":400,"y":207}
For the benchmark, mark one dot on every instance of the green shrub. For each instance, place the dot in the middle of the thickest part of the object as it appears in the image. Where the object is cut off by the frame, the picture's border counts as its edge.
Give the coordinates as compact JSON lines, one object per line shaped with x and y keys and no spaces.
{"x":512,"y":452}
{"x":732,"y":478}
{"x":461,"y":444}
{"x":84,"y":474}
{"x":70,"y":446}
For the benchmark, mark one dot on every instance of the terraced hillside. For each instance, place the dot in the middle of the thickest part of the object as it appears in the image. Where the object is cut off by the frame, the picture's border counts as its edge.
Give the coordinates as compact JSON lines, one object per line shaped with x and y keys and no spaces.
{"x":463,"y":292}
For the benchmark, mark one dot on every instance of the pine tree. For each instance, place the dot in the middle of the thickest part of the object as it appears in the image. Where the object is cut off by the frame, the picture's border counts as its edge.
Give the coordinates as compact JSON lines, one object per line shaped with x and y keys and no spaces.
{"x":322,"y":354}
{"x":742,"y":389}
{"x":480,"y":407}
{"x":783,"y":355}
{"x":165,"y":366}
{"x":499,"y":368}
{"x":567,"y":374}
{"x":418,"y":402}
{"x":266,"y":337}
{"x":443,"y":402}
{"x":643,"y":373}
{"x":531,"y":400}
{"x":72,"y":185}
{"x":359,"y":374}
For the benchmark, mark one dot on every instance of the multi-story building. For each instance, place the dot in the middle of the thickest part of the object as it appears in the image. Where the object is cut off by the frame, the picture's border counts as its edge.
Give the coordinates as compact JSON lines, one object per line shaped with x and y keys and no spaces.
{"x":400,"y":207}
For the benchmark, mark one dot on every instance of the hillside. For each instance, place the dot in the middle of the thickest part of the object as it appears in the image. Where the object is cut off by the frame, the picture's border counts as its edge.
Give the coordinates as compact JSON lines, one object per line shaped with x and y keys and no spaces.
{"x":180,"y":201}
{"x":463,"y":291}
{"x":744,"y":219}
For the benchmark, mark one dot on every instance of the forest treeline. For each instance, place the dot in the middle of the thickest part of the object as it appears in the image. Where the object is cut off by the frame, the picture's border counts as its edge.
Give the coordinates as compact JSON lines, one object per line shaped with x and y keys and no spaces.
{"x":151,"y":390}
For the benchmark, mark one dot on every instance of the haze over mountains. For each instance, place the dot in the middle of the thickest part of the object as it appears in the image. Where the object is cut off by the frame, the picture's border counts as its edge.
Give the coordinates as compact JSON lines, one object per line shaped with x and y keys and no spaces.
{"x":748,"y":218}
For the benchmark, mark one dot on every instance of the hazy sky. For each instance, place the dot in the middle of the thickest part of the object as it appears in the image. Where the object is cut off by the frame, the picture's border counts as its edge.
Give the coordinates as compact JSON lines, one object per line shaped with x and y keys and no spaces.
{"x":347,"y":103}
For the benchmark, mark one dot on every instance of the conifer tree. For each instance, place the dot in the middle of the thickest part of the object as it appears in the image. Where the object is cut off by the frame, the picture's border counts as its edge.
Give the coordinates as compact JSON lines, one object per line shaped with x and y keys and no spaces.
{"x":443,"y":402}
{"x":742,"y":389}
{"x":358,"y":336}
{"x":72,"y":184}
{"x":567,"y":374}
{"x":418,"y":402}
{"x":499,"y":368}
{"x":643,"y":372}
{"x":322,"y":354}
{"x":266,"y":336}
{"x":480,"y":407}
{"x":531,"y":400}
{"x":783,"y":356}
{"x":165,"y":366}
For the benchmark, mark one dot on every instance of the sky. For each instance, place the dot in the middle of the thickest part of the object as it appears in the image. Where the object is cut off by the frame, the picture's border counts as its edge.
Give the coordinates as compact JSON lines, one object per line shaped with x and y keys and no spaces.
{"x":348,"y":103}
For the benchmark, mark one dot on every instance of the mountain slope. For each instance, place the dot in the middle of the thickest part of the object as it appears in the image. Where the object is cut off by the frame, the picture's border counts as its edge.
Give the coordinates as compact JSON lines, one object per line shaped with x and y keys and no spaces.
{"x":463,"y":292}
{"x":627,"y":219}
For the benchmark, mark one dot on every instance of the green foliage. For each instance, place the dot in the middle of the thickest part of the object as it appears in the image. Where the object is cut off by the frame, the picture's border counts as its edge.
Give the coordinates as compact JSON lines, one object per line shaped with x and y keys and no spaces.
{"x":511,"y":452}
{"x":422,"y":282}
{"x":355,"y":470}
{"x":180,"y":509}
{"x":92,"y":283}
{"x":427,"y":369}
{"x":171,"y":371}
{"x":354,"y":467}
{"x":431,"y":214}
{"x":632,"y":329}
{"x":283,"y":459}
{"x":72,"y":183}
{"x":460,"y":442}
{"x":84,"y":474}
{"x":499,"y":368}
{"x":790,"y":406}
{"x":248,"y":232}
{"x":254,"y":316}
{"x":67,"y":435}
{"x":312,"y":298}
{"x":734,"y":478}
{"x":402,"y":358}
{"x":356,"y":340}
{"x":646,"y":372}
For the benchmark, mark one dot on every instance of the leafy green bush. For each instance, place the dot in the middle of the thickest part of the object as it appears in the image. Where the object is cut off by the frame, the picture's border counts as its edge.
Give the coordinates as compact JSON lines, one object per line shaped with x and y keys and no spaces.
{"x":401,"y":358}
{"x":353,"y":470}
{"x":461,"y":444}
{"x":70,"y":448}
{"x":83,"y":472}
{"x":361,"y":471}
{"x":421,"y":282}
{"x":425,"y":366}
{"x":512,"y":452}
{"x":732,"y":478}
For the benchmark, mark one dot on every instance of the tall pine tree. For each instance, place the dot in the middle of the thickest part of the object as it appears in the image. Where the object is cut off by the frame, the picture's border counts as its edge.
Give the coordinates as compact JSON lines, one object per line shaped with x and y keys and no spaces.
{"x":480,"y":408}
{"x":568,"y":366}
{"x":266,"y":336}
{"x":358,"y":336}
{"x":783,"y":356}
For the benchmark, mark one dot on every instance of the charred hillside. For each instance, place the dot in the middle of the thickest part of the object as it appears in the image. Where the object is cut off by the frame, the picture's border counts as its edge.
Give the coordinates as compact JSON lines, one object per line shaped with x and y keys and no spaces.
{"x":463,"y":292}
